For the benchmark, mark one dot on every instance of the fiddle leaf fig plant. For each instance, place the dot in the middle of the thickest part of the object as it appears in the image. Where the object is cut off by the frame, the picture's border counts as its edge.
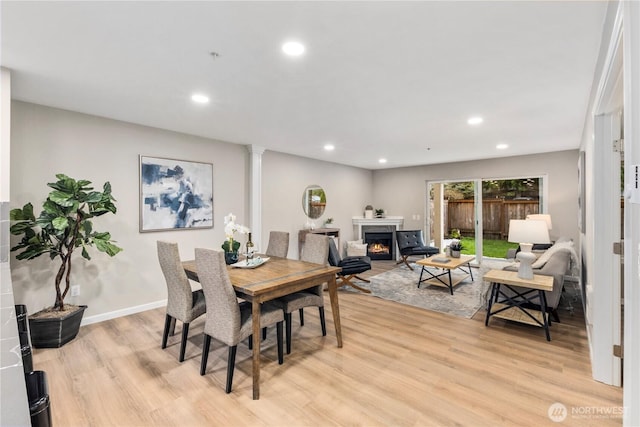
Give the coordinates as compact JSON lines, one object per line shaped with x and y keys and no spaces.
{"x":63,"y":226}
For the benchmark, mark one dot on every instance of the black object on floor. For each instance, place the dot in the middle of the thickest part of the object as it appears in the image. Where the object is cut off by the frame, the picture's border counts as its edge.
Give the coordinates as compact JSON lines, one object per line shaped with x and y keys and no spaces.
{"x":23,"y":335}
{"x":38,"y":396}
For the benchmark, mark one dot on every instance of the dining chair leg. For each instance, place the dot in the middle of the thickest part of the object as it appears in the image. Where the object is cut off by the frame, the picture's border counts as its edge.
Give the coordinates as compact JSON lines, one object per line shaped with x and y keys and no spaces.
{"x":165,"y":333}
{"x":279,"y":333}
{"x":231,"y":364}
{"x":205,"y":353}
{"x":183,"y":344}
{"x":323,"y":325}
{"x":287,"y":322}
{"x":172,"y":328}
{"x":301,"y":317}
{"x":264,"y":337}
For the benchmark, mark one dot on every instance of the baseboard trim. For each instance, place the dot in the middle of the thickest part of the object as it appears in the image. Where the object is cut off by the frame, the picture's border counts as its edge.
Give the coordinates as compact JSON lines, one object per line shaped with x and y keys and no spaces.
{"x":124,"y":312}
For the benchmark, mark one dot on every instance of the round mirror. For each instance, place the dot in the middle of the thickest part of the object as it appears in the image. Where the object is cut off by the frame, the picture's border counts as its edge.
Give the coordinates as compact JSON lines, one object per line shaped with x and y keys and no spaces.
{"x":314,"y":201}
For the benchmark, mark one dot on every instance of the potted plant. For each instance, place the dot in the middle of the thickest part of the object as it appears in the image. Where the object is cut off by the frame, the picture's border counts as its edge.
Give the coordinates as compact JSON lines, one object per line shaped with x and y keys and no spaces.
{"x":368,"y":212}
{"x":454,"y":248}
{"x":63,"y":226}
{"x":231,"y":246}
{"x":379,"y":213}
{"x":328,"y":222}
{"x":455,"y":233}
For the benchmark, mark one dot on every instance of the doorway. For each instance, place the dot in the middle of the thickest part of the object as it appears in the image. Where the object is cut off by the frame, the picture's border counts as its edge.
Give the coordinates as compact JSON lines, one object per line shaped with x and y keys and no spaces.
{"x":478,"y":212}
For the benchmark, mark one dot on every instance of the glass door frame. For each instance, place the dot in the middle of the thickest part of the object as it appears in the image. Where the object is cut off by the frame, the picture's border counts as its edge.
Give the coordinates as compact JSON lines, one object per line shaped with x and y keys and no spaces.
{"x":543,"y":197}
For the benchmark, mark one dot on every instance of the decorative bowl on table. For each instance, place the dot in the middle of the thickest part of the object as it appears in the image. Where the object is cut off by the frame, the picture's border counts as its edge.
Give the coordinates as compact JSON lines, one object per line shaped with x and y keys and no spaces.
{"x":250,"y":263}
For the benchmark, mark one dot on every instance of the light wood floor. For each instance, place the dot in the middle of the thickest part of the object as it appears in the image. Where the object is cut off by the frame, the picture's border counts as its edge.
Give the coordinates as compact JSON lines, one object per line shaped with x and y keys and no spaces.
{"x":400,"y":366}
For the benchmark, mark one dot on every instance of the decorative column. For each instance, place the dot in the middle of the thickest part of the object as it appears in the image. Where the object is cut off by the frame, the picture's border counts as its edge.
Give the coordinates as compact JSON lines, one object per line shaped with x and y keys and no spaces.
{"x":255,"y":194}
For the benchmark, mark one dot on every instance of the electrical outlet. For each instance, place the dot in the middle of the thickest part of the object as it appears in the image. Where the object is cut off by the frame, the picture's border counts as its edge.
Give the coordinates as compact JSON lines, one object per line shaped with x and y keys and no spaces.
{"x":75,"y":290}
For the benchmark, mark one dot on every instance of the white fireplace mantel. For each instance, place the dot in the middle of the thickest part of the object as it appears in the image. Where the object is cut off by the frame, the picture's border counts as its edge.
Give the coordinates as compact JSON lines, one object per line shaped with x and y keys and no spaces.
{"x":393,"y":222}
{"x":359,"y":222}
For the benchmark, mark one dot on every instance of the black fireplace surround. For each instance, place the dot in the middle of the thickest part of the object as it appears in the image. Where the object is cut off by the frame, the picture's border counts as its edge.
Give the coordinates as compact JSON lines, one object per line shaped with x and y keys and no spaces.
{"x":379,"y":245}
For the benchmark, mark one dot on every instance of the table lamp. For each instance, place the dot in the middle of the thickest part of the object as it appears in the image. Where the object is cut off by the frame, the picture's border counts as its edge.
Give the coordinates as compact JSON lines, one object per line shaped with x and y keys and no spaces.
{"x":541,"y":217}
{"x":526,"y":233}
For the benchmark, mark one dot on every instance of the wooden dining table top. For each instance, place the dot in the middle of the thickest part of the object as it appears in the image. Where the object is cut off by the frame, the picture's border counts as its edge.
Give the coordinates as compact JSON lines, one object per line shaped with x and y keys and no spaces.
{"x":271,"y":276}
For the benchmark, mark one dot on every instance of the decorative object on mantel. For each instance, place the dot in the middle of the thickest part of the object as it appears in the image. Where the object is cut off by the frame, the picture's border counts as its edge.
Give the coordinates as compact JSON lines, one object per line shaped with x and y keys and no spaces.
{"x":328,"y":222}
{"x":231,"y":245}
{"x":379,"y":213}
{"x":368,"y":212}
{"x":454,"y":248}
{"x":63,"y":226}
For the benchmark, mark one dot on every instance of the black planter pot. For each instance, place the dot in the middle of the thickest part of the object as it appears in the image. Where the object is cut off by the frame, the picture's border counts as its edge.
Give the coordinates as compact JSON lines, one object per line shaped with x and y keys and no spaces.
{"x":54,"y":333}
{"x":230,"y":257}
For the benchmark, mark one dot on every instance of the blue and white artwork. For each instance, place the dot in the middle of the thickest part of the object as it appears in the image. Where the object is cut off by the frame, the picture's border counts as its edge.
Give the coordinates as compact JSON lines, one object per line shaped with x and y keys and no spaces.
{"x":175,"y":194}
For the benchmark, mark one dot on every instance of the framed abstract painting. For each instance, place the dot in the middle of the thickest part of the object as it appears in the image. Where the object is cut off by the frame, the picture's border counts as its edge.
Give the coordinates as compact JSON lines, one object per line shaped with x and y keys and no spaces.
{"x":175,"y":194}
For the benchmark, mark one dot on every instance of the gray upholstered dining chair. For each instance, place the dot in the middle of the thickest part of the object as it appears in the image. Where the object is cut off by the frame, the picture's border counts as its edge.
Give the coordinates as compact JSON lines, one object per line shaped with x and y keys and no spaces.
{"x":316,"y":250}
{"x":227,"y":320}
{"x":182,"y":303}
{"x":278,"y":244}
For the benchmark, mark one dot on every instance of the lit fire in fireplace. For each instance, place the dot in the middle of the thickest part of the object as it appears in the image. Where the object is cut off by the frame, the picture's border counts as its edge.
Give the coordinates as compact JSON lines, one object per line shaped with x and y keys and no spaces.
{"x":379,"y":248}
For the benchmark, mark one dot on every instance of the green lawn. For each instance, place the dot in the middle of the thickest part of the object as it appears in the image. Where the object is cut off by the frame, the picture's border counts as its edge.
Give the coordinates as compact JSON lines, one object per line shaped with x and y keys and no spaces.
{"x":490,"y":248}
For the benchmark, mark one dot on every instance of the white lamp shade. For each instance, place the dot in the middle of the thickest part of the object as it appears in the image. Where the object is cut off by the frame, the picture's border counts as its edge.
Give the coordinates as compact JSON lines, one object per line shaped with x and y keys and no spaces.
{"x":541,"y":217}
{"x":528,"y":231}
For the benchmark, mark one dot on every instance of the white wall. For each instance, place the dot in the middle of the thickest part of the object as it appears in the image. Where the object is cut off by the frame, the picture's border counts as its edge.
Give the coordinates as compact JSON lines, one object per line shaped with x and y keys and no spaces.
{"x":403,"y":191}
{"x":285,"y":177}
{"x":46,"y":141}
{"x":13,"y":391}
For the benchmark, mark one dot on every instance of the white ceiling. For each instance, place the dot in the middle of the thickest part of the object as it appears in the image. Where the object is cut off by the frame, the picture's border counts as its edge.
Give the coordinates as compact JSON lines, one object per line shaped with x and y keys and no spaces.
{"x":378,"y":79}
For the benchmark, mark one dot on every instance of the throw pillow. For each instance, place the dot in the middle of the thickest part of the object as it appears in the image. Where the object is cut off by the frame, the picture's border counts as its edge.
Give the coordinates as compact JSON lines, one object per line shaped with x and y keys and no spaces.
{"x":349,"y":243}
{"x":558,"y":246}
{"x":356,"y":248}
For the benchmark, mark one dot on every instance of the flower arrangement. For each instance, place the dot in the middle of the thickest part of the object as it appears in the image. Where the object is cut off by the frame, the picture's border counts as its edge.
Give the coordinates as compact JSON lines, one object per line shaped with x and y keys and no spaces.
{"x":230,"y":228}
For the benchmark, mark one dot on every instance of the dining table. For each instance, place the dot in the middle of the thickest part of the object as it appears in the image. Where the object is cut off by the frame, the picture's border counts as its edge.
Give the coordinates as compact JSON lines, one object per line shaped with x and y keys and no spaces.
{"x":273,"y":279}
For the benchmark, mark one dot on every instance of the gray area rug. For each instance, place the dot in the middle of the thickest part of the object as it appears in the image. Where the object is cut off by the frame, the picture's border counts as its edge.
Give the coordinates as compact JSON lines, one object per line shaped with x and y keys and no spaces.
{"x":401,"y":285}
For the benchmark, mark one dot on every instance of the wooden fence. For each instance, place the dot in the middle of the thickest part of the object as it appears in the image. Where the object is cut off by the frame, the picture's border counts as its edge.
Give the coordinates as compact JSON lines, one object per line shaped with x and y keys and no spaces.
{"x":496,"y":214}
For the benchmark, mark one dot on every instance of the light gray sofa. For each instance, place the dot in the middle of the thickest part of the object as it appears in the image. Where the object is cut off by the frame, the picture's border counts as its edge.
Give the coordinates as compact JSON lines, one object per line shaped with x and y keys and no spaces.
{"x":557,"y":265}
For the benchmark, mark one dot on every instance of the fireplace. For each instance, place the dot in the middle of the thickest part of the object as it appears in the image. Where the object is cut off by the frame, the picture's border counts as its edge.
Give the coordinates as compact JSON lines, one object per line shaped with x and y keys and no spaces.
{"x":388,"y":224}
{"x":379,"y":244}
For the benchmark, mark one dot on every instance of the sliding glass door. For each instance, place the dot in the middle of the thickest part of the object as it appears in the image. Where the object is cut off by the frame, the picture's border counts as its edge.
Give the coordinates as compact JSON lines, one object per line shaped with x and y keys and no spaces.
{"x":478,"y":212}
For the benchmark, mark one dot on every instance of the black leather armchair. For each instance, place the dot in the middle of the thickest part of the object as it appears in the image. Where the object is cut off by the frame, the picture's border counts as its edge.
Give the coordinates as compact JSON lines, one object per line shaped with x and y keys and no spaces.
{"x":410,"y":243}
{"x":351,"y":267}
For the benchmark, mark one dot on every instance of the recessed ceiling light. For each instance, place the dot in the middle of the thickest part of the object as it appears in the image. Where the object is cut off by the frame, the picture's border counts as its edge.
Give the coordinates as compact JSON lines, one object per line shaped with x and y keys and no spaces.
{"x":475,"y":120}
{"x":502,"y":146}
{"x":329,"y":147}
{"x":293,"y":48}
{"x":382,"y":161}
{"x":200,"y":98}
